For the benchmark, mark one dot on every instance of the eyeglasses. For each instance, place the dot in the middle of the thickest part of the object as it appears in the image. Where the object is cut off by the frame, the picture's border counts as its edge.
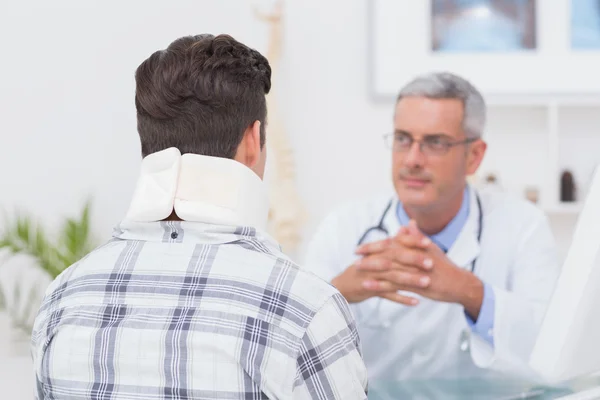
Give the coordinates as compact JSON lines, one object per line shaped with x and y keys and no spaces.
{"x":430,"y":145}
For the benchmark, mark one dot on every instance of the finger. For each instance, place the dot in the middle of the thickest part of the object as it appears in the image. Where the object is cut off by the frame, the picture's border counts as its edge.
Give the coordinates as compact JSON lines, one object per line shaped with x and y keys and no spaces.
{"x":406,"y":279}
{"x":373,"y":264}
{"x":398,"y":298}
{"x":413,"y":228}
{"x":419,"y":240}
{"x":379,"y":286}
{"x":403,"y":231}
{"x":411,"y":257}
{"x":373,"y":247}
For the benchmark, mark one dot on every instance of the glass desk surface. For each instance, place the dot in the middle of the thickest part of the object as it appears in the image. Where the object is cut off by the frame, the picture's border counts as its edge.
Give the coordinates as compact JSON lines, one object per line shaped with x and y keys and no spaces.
{"x":477,"y":389}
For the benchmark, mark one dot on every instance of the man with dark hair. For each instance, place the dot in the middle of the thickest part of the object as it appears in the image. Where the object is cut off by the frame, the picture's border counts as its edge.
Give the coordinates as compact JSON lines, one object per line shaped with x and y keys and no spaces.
{"x":200,"y":95}
{"x":191,"y":298}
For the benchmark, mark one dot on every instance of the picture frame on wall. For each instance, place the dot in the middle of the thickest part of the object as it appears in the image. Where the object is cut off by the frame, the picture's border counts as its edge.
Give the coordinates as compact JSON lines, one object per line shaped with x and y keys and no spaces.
{"x":505,"y":47}
{"x":585,"y":25}
{"x":483,"y":26}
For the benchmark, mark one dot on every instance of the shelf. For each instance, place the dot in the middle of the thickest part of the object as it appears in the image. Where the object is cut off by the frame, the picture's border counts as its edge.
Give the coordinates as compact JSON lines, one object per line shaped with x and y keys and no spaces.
{"x":560,"y":100}
{"x":564,"y":209}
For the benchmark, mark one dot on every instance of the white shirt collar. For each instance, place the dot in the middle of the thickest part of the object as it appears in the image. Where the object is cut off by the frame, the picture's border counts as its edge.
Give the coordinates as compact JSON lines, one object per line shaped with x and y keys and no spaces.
{"x":198,"y":188}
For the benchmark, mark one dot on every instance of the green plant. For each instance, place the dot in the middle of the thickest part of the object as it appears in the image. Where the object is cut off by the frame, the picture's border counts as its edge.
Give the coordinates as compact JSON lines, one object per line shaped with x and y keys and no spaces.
{"x":24,"y":235}
{"x":19,"y":315}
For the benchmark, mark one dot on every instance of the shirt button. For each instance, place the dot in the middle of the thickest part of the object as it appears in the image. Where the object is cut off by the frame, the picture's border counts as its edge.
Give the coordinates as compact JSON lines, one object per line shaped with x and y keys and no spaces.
{"x":174,"y":235}
{"x":386,"y":324}
{"x":490,"y":332}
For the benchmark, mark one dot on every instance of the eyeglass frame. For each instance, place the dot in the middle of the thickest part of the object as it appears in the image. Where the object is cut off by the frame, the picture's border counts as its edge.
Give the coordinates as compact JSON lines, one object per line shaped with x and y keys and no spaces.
{"x":446,"y":149}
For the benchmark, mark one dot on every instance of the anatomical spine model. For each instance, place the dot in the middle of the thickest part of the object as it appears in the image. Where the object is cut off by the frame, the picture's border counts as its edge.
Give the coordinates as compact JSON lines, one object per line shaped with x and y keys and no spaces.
{"x":287,"y":213}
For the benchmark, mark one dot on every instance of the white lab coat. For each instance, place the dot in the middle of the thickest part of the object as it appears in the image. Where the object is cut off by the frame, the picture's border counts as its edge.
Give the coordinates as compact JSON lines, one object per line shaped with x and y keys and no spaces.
{"x":517,"y":256}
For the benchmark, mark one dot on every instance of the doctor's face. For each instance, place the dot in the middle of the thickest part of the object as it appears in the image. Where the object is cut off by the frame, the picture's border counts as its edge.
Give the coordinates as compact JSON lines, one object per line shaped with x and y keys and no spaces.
{"x":431,"y":155}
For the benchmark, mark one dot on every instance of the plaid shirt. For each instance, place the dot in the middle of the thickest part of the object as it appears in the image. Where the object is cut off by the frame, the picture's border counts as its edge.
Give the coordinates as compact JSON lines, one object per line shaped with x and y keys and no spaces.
{"x":179,"y":310}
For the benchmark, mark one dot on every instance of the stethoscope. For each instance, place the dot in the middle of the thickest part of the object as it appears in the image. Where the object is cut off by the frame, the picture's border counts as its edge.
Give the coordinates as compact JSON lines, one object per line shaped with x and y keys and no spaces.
{"x":380,"y":227}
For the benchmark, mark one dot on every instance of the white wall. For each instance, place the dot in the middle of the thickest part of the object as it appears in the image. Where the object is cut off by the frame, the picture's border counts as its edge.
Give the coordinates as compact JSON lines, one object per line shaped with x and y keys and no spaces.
{"x":67,"y":98}
{"x":68,"y":120}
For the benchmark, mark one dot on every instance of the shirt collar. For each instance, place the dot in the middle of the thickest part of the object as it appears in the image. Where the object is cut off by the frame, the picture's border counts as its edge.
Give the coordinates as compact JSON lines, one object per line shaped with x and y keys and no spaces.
{"x":195,"y":232}
{"x":210,"y":190}
{"x":447,"y":236}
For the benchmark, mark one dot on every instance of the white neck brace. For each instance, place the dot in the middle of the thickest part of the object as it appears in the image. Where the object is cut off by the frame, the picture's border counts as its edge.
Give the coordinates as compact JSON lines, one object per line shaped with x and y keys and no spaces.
{"x":200,"y":189}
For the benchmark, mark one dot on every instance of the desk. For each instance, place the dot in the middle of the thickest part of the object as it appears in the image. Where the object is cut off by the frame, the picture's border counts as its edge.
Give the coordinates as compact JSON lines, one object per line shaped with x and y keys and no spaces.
{"x":476,"y":389}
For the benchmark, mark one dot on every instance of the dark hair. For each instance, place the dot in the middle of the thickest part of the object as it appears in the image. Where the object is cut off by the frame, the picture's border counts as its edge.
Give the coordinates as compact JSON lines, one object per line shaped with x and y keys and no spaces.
{"x":200,"y":95}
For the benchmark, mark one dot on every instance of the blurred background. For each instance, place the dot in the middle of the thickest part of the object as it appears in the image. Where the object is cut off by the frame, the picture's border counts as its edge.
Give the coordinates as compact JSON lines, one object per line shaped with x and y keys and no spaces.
{"x":68,"y":136}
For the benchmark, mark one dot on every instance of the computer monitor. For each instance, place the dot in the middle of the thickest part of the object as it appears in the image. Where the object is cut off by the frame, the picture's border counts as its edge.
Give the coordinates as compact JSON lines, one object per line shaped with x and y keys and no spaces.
{"x":568,"y":344}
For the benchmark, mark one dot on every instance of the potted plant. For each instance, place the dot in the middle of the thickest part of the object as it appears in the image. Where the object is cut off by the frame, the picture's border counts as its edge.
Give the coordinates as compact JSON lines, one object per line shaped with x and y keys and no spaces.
{"x":23,"y":235}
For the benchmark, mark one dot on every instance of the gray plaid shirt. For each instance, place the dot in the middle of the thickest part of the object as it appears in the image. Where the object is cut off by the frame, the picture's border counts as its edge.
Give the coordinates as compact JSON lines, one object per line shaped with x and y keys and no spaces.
{"x":180,"y":310}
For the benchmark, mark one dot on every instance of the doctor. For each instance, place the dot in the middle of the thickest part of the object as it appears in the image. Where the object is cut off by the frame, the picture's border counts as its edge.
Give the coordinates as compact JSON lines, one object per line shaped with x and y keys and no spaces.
{"x":444,"y":281}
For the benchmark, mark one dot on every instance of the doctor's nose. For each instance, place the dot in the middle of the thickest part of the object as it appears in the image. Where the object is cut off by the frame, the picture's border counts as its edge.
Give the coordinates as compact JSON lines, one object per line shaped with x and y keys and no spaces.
{"x":413,"y":156}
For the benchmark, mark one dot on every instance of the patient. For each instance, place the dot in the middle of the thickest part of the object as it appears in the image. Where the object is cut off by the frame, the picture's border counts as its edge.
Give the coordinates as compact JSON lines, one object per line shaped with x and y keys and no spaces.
{"x":191,"y":298}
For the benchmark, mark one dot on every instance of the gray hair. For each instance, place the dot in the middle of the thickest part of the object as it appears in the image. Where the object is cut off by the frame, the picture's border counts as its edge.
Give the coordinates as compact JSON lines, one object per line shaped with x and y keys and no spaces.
{"x":444,"y":85}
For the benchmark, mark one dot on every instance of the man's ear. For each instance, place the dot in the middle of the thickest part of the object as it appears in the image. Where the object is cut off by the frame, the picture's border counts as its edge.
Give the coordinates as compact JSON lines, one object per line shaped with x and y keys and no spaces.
{"x":249,"y":150}
{"x":255,"y":142}
{"x":475,"y":156}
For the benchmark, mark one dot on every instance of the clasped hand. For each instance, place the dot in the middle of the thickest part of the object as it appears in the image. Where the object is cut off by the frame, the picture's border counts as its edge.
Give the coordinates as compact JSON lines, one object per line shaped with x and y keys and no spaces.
{"x":408,"y":262}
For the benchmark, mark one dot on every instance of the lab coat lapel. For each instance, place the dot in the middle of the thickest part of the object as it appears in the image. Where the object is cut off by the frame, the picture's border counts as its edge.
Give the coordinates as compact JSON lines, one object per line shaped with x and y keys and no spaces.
{"x":466,"y":247}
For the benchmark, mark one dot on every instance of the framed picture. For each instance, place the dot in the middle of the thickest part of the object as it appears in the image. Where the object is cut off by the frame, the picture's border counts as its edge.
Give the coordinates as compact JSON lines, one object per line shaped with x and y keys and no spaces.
{"x":459,"y":26}
{"x":505,"y":47}
{"x":585,"y":25}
